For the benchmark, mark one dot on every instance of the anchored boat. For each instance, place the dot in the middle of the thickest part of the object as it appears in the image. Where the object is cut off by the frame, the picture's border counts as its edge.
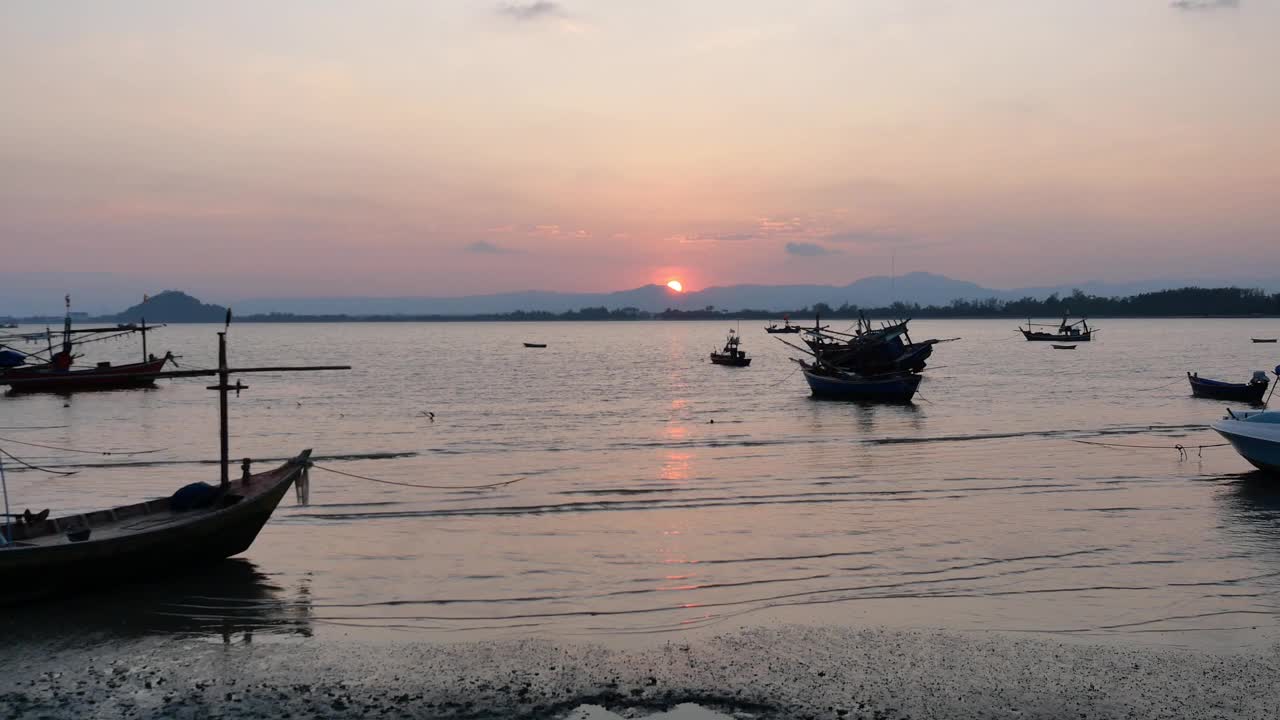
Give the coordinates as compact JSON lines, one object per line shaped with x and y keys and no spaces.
{"x":731,"y":353}
{"x":1067,"y":331}
{"x":198,"y":524}
{"x":828,"y":382}
{"x":1250,"y":392}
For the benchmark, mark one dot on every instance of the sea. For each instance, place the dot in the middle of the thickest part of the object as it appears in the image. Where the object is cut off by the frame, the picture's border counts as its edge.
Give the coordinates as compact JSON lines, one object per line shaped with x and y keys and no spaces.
{"x":617,"y":491}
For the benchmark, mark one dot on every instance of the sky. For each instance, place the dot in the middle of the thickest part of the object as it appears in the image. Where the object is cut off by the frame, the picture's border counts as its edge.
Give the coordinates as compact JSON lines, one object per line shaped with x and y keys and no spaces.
{"x":318,"y":147}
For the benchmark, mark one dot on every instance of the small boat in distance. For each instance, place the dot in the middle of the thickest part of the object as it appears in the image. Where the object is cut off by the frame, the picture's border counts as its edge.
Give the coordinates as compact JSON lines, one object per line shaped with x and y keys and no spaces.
{"x":1250,"y":392}
{"x":535,"y":345}
{"x":731,"y":354}
{"x":1263,"y":340}
{"x":1067,"y":331}
{"x":1063,"y":347}
{"x":785,"y":328}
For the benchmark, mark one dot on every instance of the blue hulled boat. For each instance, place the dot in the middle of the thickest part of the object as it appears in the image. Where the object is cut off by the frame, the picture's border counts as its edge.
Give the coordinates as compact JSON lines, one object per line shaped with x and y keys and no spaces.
{"x":827,"y":382}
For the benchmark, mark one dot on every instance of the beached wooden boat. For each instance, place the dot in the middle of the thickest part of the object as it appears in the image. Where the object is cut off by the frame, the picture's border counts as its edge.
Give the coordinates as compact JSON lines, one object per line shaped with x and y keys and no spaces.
{"x":1250,"y":392}
{"x":731,"y":354}
{"x":198,"y":524}
{"x":146,"y":539}
{"x":1067,"y":331}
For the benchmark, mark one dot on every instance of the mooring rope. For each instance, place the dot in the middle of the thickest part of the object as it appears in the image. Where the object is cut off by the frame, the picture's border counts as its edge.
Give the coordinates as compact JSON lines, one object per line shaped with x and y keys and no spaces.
{"x":418,"y":485}
{"x":1161,"y":387}
{"x":1182,"y":449}
{"x":24,"y":463}
{"x":86,"y":452}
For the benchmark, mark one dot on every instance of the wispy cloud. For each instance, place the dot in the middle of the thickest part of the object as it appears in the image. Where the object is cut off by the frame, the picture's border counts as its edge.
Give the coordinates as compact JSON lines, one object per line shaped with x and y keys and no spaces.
{"x":805,"y":249}
{"x":538,"y":10}
{"x":708,"y":238}
{"x":865,"y":237}
{"x":487,"y":248}
{"x":1204,"y":4}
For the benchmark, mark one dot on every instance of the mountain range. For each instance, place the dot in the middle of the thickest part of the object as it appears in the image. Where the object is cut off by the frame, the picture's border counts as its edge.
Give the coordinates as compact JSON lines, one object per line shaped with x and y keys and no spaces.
{"x":25,"y":295}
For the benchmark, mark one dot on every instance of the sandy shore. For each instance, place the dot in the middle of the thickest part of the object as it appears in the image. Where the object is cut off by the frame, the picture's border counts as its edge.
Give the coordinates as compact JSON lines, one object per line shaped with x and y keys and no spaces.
{"x":787,"y":672}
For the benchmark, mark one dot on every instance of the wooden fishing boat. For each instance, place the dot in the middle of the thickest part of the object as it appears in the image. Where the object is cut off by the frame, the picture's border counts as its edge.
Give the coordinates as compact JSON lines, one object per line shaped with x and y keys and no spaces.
{"x":785,"y":329}
{"x":1263,"y":340}
{"x":104,"y":376}
{"x":535,"y":345}
{"x":146,"y":539}
{"x":826,"y":382}
{"x":871,"y":350}
{"x":731,"y":354}
{"x":1250,"y":392}
{"x":1064,"y":347}
{"x":1067,"y":331}
{"x":198,"y":524}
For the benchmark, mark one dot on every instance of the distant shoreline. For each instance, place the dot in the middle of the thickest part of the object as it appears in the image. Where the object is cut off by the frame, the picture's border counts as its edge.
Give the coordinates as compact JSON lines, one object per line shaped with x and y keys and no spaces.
{"x":340,"y":319}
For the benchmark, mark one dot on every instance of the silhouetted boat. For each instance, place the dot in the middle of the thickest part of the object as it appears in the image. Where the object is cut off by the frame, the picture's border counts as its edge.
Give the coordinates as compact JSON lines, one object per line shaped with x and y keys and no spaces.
{"x":1078,"y":331}
{"x":1064,"y":347}
{"x":1263,"y":340}
{"x":535,"y":345}
{"x":731,"y":354}
{"x":786,"y":328}
{"x":828,"y":382}
{"x":1250,"y":392}
{"x":870,"y":350}
{"x":198,"y":524}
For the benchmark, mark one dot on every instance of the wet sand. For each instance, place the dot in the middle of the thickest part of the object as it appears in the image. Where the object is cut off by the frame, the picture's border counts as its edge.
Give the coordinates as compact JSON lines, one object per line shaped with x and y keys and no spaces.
{"x":786,"y":672}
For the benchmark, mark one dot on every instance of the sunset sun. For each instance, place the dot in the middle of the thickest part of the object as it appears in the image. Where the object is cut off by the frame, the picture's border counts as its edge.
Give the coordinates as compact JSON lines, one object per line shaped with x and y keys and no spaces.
{"x":675,"y":285}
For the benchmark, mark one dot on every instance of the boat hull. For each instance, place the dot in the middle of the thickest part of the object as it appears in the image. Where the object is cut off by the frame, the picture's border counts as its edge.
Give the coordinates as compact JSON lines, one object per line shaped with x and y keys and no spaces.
{"x":152,"y":543}
{"x":1231,"y":392}
{"x":46,"y":379}
{"x":891,"y":388}
{"x":720,"y":359}
{"x":1258,"y":445}
{"x":1056,"y":337}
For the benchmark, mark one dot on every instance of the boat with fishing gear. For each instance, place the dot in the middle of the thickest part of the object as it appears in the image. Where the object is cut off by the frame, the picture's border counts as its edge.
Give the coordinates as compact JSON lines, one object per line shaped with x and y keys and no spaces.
{"x":51,"y":369}
{"x":786,"y":328}
{"x":1255,"y":435}
{"x":731,"y":354}
{"x":1067,"y":331}
{"x":1248,"y":392}
{"x":198,"y":524}
{"x":869,"y":350}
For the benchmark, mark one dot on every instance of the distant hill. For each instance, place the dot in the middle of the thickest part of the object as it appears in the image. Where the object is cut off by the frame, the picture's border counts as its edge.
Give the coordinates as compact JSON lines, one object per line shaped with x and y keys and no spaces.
{"x":171,"y":306}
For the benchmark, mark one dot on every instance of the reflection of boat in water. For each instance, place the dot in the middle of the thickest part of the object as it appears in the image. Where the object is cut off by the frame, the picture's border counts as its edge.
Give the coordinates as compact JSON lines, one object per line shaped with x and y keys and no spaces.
{"x":1263,"y":340}
{"x":731,"y":354}
{"x":1078,"y":331}
{"x":535,"y":345}
{"x":1063,"y":347}
{"x":1250,"y":392}
{"x":225,"y":599}
{"x":827,"y":382}
{"x":198,"y":524}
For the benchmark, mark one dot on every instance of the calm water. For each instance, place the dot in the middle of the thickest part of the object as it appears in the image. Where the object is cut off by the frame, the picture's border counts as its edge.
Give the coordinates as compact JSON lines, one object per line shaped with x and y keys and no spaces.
{"x":640,"y":517}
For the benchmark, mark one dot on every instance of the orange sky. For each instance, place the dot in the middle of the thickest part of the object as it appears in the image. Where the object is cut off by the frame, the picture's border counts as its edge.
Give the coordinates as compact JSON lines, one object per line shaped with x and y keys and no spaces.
{"x":462,"y":147}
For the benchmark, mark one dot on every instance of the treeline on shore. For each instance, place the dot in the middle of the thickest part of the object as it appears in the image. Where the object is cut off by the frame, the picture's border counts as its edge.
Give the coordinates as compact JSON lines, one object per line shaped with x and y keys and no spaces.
{"x":1183,"y":302}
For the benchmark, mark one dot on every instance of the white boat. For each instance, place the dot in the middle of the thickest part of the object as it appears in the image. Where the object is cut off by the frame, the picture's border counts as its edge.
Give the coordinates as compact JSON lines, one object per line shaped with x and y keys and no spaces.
{"x":1255,"y":435}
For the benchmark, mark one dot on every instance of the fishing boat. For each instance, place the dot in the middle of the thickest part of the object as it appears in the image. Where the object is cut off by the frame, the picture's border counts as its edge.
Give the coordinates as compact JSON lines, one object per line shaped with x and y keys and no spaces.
{"x":1255,"y":436}
{"x":535,"y":345}
{"x":1064,"y":347}
{"x":869,"y":350}
{"x":1263,"y":340}
{"x":8,"y":326}
{"x":51,"y":370}
{"x":1250,"y":392}
{"x":828,"y":382}
{"x":198,"y":524}
{"x":785,"y":329}
{"x":1078,"y":331}
{"x":731,"y":354}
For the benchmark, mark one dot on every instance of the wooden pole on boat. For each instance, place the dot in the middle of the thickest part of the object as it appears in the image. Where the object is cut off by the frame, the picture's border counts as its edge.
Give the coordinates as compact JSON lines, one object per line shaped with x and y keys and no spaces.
{"x":224,"y":379}
{"x":144,"y":339}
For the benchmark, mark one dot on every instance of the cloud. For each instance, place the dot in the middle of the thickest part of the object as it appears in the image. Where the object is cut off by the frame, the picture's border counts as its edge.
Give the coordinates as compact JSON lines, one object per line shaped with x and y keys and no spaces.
{"x":708,"y":238}
{"x":804,"y":249}
{"x":1204,"y":4}
{"x":538,"y":10}
{"x":487,"y":248}
{"x":865,"y":237}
